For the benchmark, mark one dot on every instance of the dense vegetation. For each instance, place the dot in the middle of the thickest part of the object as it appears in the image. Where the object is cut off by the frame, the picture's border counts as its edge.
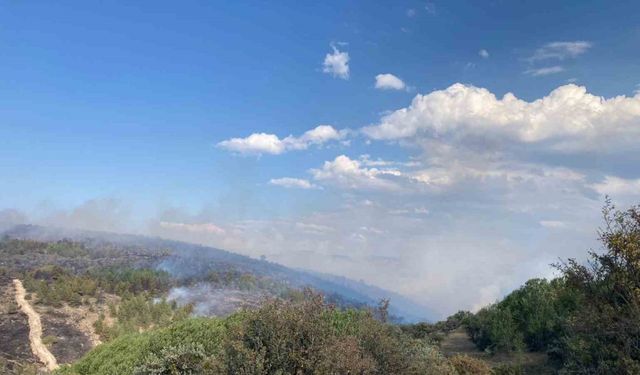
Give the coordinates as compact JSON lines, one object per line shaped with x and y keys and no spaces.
{"x":533,"y":317}
{"x":588,"y":320}
{"x":308,"y":337}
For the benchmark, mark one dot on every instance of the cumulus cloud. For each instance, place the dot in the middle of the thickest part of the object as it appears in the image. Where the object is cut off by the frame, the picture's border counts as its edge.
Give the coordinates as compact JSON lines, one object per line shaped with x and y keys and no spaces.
{"x":290,"y":182}
{"x":569,"y":119}
{"x":483,"y":53}
{"x":388,"y":81}
{"x":336,"y":63}
{"x":561,"y":50}
{"x":544,"y":71}
{"x":350,"y":173}
{"x":262,"y":143}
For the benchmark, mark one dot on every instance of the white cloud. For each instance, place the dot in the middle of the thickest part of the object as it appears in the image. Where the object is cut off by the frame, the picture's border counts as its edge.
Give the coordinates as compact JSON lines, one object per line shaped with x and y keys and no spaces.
{"x":483,"y":53}
{"x":553,"y":224}
{"x":389,"y":82}
{"x":544,"y":71}
{"x":561,"y":50}
{"x":336,"y":63}
{"x":290,"y":182}
{"x":616,"y":186}
{"x":569,"y":119}
{"x":262,"y":143}
{"x":349,"y":173}
{"x":209,"y":228}
{"x":411,"y":12}
{"x":256,"y":143}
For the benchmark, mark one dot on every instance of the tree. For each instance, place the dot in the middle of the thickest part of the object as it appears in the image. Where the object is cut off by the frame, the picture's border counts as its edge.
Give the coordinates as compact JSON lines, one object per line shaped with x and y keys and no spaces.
{"x":604,"y":334}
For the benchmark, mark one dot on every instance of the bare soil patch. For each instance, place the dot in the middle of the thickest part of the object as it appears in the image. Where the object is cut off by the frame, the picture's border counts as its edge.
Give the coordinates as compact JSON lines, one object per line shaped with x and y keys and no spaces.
{"x":68,"y":343}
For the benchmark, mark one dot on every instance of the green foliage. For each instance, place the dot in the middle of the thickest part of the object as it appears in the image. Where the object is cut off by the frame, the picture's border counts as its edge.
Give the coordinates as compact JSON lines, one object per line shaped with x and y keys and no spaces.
{"x":123,"y":281}
{"x":588,"y":320}
{"x":308,"y":337}
{"x":495,"y":329}
{"x":67,"y":249}
{"x":138,"y":313}
{"x":311,"y":337}
{"x":435,"y":332}
{"x":63,"y":248}
{"x":131,"y":352}
{"x":234,"y":279}
{"x":604,"y":333}
{"x":532,"y":317}
{"x":54,"y":285}
{"x":184,"y":359}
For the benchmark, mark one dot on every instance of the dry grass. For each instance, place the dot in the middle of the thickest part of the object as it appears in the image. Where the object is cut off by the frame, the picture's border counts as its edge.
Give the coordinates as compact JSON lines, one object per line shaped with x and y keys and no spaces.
{"x":457,"y":343}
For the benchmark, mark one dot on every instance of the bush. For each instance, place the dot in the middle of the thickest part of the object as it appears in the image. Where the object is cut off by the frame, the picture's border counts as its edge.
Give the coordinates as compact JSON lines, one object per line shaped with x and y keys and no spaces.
{"x":466,"y":365}
{"x":494,"y":329}
{"x":139,"y":313}
{"x":532,"y":317}
{"x":185,"y":359}
{"x":309,"y":337}
{"x":129,"y":353}
{"x":603,"y":336}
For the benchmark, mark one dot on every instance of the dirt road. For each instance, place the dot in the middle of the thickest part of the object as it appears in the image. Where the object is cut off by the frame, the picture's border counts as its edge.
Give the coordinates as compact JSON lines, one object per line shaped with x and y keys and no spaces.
{"x":35,"y":329}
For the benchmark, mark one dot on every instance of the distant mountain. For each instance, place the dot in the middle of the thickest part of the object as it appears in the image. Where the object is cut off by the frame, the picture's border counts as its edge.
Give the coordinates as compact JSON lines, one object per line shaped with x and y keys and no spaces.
{"x":183,"y":259}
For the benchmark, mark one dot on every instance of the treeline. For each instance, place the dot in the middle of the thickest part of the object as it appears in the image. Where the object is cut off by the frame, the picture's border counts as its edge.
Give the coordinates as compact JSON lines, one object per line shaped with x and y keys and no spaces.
{"x":63,"y":248}
{"x":55,"y":285}
{"x":534,"y":318}
{"x":588,"y":320}
{"x":246,"y":281}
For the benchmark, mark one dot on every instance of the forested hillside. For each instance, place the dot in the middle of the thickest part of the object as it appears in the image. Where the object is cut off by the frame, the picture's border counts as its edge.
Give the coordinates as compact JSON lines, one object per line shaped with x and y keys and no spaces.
{"x":586,"y":321}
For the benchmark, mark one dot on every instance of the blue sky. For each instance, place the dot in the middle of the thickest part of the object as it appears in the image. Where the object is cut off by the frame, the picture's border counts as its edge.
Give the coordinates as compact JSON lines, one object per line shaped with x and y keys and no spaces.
{"x":115,"y":115}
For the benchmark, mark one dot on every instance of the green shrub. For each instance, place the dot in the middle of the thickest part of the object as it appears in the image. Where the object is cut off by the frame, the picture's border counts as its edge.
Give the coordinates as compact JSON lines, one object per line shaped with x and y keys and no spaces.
{"x":309,"y":337}
{"x":532,"y":317}
{"x":128,"y":353}
{"x":604,"y":333}
{"x":494,"y":329}
{"x":184,"y":359}
{"x":139,"y":313}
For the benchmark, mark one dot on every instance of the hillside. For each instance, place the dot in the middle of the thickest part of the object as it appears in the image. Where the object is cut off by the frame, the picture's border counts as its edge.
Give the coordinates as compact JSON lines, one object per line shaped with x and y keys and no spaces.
{"x":190,"y":261}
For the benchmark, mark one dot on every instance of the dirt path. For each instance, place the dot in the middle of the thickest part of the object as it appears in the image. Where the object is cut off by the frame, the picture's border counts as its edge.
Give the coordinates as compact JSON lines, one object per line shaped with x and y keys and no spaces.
{"x":458,"y":342}
{"x":35,"y":329}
